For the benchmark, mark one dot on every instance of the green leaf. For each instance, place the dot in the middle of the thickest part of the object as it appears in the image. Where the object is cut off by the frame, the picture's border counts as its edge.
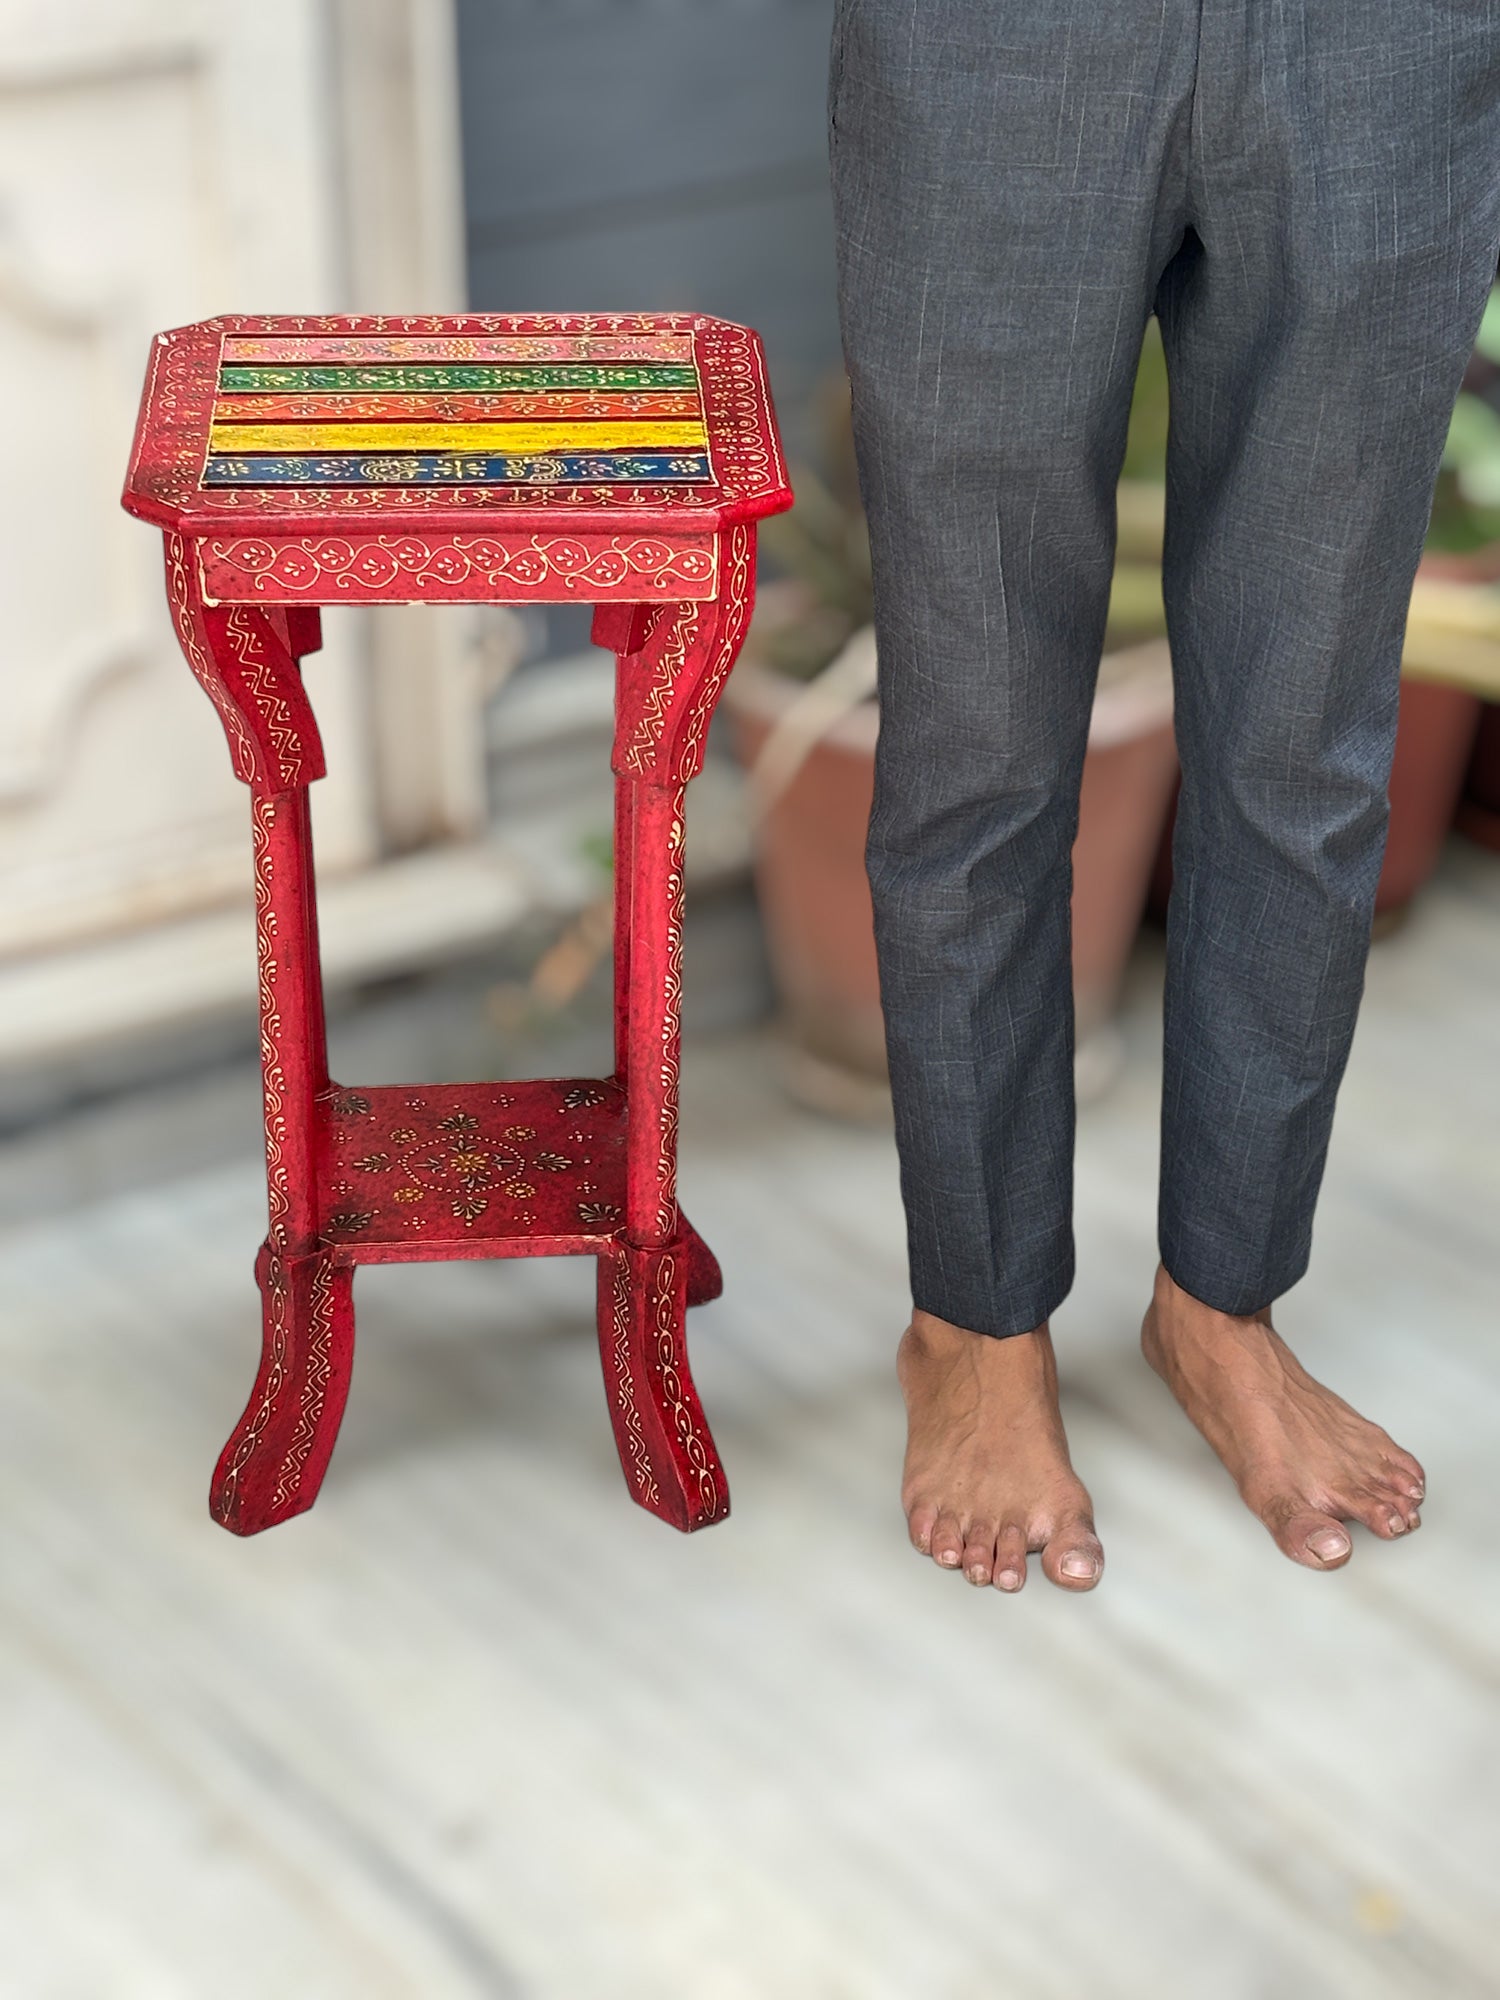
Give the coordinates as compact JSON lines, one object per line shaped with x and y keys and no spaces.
{"x":1473,"y":431}
{"x":1488,"y":343}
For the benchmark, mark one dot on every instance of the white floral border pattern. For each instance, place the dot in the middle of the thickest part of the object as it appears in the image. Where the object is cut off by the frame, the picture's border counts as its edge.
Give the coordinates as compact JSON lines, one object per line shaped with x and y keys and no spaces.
{"x":463,"y":565}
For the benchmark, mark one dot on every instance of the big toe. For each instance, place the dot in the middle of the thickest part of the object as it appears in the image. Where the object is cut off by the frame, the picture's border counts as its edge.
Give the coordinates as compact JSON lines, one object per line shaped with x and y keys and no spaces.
{"x":1316,"y":1540}
{"x":1073,"y":1557}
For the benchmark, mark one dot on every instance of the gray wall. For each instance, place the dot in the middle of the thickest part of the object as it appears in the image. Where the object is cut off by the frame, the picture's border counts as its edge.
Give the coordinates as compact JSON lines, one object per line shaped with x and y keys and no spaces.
{"x":624,"y":155}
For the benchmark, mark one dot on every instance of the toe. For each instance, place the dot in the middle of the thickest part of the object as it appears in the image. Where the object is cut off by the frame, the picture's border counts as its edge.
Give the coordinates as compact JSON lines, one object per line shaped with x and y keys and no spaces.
{"x":1398,"y":1497}
{"x":947,"y":1542}
{"x":1314,"y":1539}
{"x":1406,"y":1474}
{"x":1010,"y":1557}
{"x":1073,"y":1557}
{"x":920,"y":1523}
{"x":979,"y":1552}
{"x":1384,"y":1512}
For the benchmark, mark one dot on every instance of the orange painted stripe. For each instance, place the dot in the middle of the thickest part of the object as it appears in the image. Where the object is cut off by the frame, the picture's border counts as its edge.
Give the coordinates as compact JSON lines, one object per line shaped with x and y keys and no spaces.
{"x":457,"y":408}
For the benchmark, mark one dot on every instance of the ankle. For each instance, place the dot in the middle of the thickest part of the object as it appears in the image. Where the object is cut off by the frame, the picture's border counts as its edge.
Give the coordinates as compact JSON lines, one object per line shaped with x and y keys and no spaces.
{"x":1168,"y":1296}
{"x":934,"y":1350}
{"x":928,"y":1331}
{"x":1185,"y":1311}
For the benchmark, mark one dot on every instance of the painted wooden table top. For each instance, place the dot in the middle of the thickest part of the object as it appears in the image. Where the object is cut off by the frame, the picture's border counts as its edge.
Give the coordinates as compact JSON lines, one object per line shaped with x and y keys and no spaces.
{"x":322,"y":458}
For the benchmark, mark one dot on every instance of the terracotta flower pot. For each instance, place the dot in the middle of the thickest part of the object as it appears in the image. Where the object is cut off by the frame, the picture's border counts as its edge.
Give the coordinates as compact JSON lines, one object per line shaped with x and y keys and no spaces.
{"x":1434,"y":738}
{"x":1479,"y":809}
{"x":814,"y":893}
{"x":810,"y":876}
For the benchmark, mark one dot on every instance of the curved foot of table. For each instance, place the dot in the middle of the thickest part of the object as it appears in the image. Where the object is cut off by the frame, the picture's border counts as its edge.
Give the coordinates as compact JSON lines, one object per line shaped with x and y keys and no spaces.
{"x":275,"y":1459}
{"x":667,"y":1452}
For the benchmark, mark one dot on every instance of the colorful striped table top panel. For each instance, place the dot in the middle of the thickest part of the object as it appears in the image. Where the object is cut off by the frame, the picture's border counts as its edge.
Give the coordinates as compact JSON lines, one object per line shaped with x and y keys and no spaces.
{"x":306,"y":422}
{"x":417,"y":410}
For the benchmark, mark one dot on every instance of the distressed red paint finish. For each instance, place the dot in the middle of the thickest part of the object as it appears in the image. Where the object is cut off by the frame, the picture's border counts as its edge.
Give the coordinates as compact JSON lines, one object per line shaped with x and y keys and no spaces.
{"x":541,"y":1167}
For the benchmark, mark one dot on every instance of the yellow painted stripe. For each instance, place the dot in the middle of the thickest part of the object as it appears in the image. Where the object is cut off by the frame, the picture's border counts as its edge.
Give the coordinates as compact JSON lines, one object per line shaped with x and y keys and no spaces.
{"x":468,"y":438}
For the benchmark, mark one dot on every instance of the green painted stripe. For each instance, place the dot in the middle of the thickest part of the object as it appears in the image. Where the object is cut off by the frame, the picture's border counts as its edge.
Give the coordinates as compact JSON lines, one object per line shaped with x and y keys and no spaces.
{"x":519,"y":375}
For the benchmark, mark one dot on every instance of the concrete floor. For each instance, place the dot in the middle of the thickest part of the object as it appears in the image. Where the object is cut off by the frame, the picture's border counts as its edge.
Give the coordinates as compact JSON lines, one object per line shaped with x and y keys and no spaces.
{"x":476,"y":1726}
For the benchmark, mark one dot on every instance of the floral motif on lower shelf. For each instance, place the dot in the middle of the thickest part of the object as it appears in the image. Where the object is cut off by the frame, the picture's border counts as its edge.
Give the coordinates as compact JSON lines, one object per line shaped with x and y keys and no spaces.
{"x":580,"y":1094}
{"x":465,"y":1166}
{"x":595,"y":1212}
{"x":401,"y":1170}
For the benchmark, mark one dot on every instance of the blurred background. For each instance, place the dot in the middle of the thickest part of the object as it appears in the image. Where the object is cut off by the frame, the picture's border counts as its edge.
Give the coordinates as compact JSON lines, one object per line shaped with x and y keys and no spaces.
{"x":476,"y":1725}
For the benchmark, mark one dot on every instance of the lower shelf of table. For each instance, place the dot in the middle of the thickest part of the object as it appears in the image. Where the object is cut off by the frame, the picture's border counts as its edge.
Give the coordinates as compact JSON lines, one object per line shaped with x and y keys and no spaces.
{"x":511,"y":1169}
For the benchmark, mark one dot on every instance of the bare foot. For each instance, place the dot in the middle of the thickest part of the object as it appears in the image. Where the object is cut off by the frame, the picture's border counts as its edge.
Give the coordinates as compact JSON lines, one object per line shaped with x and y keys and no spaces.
{"x":987,"y":1477}
{"x":1304,"y":1461}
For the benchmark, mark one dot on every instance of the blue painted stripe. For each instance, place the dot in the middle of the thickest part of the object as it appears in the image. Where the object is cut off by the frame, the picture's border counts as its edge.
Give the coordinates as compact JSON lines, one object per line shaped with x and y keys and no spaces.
{"x":451,"y":469}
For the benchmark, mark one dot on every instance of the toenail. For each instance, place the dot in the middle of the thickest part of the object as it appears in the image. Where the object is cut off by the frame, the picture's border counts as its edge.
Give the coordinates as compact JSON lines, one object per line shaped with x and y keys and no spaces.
{"x":1078,"y":1564}
{"x":949,"y":1558}
{"x":1008,"y":1579}
{"x":1328,"y":1543}
{"x":978,"y":1574}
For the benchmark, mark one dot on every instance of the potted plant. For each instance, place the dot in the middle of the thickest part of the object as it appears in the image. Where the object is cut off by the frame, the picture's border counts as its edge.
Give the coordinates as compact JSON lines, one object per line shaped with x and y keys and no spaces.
{"x":803,"y":716}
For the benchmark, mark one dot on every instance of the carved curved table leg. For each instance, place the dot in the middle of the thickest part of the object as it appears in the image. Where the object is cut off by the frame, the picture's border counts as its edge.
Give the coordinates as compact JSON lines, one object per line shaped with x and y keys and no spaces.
{"x":666,"y":1449}
{"x":671,"y":663}
{"x":246,"y":658}
{"x":276,"y":1456}
{"x":667,"y":1452}
{"x":274,"y":1461}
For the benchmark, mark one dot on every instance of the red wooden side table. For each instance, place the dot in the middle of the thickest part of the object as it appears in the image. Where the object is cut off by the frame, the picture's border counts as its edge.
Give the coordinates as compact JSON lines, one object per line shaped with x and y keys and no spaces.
{"x":621,"y":459}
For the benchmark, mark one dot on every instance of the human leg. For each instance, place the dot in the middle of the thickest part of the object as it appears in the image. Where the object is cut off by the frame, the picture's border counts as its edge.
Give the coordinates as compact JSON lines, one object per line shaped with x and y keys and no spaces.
{"x":1004,"y":180}
{"x":1345,"y":227}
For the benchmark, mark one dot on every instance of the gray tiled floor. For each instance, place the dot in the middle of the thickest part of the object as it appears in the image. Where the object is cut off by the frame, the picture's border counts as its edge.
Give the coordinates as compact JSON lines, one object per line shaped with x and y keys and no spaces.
{"x":477,"y":1726}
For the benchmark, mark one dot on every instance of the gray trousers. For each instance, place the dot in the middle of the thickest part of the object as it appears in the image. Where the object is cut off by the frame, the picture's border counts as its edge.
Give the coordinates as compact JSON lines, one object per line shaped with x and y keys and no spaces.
{"x":1307,"y":195}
